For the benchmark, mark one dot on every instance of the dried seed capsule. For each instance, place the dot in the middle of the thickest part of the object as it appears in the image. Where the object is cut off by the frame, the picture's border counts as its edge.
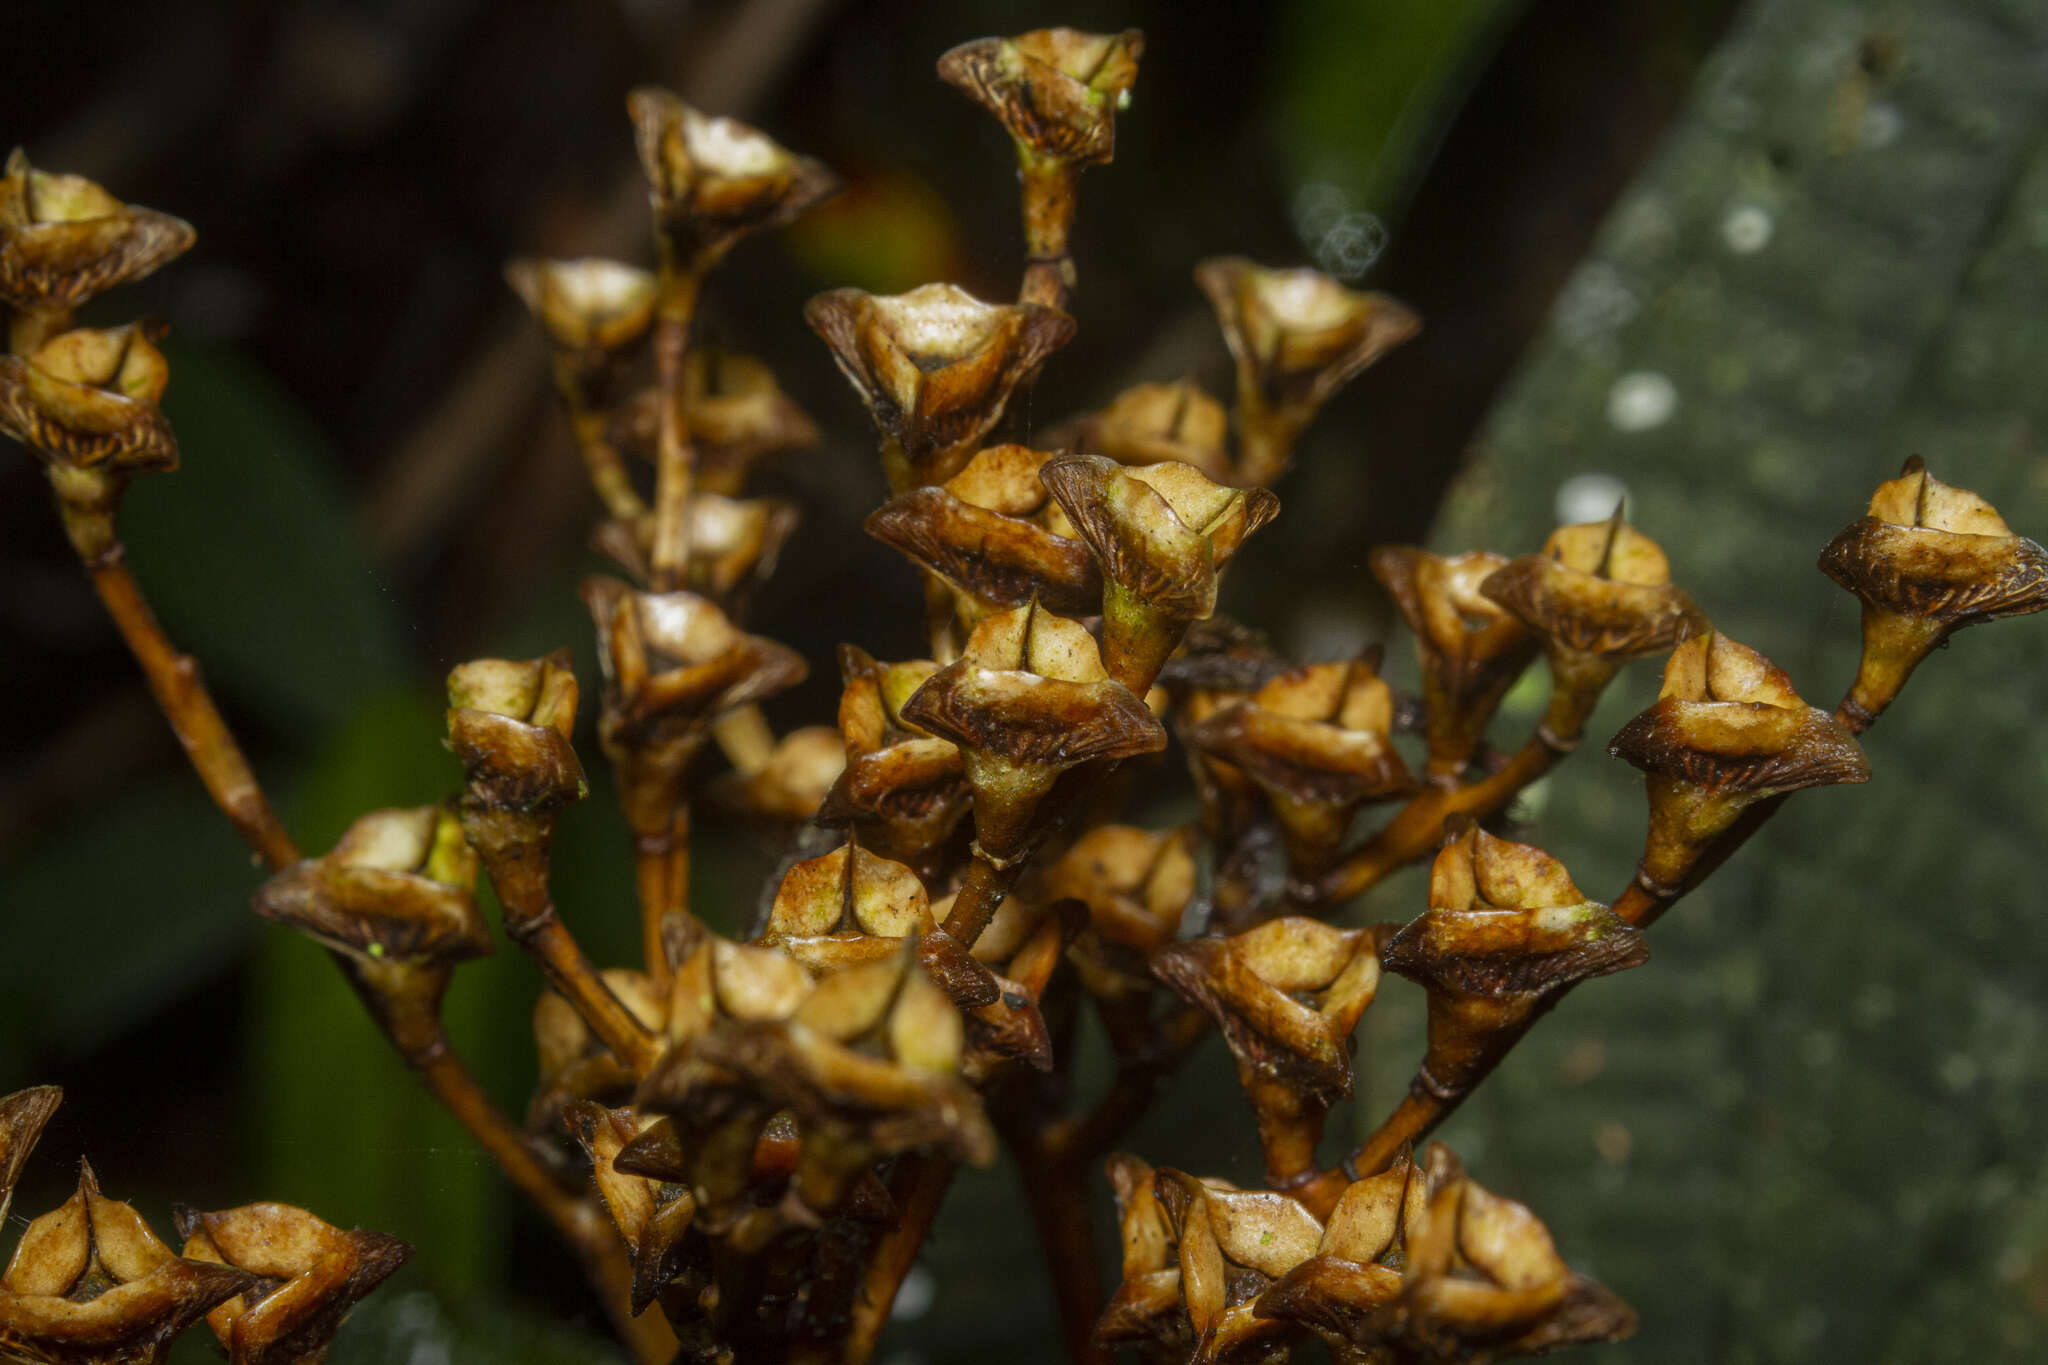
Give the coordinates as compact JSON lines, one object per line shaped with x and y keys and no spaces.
{"x":1028,"y":699}
{"x":1231,"y":1245}
{"x":1145,"y":1311}
{"x":936,"y":368}
{"x":1927,"y":561}
{"x":22,"y":1117}
{"x":311,"y":1273}
{"x":593,"y":311}
{"x":995,"y":535}
{"x":510,"y":722}
{"x":1155,"y":423}
{"x":903,"y":790}
{"x":1162,"y":535}
{"x":1598,"y":595}
{"x":1318,"y":742}
{"x":793,"y":783}
{"x":1297,"y":337}
{"x":90,"y":1284}
{"x":1136,"y":885}
{"x":847,"y":907}
{"x":574,"y":1064}
{"x":86,"y":399}
{"x":1506,"y":933}
{"x":1056,"y":90}
{"x":1726,"y":731}
{"x":1472,"y":649}
{"x":712,"y":181}
{"x":734,"y":543}
{"x":63,"y":239}
{"x":1287,"y":996}
{"x":735,"y":412}
{"x":1357,"y":1266}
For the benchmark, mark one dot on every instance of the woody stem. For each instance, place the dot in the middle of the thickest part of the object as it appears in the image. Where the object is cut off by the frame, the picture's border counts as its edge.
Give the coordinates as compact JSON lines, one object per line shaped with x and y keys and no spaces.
{"x":661,"y":871}
{"x":673,"y":461}
{"x":1049,"y":202}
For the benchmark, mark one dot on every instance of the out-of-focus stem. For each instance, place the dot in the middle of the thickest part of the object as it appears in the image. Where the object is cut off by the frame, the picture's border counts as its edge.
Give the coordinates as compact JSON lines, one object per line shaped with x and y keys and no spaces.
{"x":1056,"y":1192}
{"x":662,"y":873}
{"x":673,"y":461}
{"x":607,"y":470}
{"x":918,"y":1187}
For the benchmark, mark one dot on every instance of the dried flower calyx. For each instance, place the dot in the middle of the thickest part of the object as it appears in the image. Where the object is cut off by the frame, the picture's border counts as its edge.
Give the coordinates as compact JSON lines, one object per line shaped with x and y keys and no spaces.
{"x":63,"y":239}
{"x":90,"y":1284}
{"x":510,"y":722}
{"x":592,"y":309}
{"x":712,"y":181}
{"x":1056,"y":90}
{"x":995,"y":534}
{"x":847,"y":907}
{"x":1155,"y":423}
{"x":87,"y":399}
{"x":1928,"y":560}
{"x":1506,"y":932}
{"x":310,"y":1275}
{"x":935,"y":366}
{"x":903,"y":790}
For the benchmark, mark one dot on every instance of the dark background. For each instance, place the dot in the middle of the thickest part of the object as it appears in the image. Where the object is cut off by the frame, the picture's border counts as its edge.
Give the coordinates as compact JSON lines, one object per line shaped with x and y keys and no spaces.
{"x":1811,"y":1129}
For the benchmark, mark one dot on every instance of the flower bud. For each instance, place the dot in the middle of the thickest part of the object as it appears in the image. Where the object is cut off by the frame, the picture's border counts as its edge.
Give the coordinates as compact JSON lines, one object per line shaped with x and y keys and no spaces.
{"x":1927,"y":561}
{"x":1599,"y":595}
{"x":1287,"y":996}
{"x":1056,"y":90}
{"x":63,"y":239}
{"x":995,"y":535}
{"x":712,"y":181}
{"x":1726,"y":731}
{"x":1297,"y":337}
{"x":1472,"y":649}
{"x":936,"y":368}
{"x":87,"y":399}
{"x":89,"y":1282}
{"x":1505,"y":935}
{"x":903,"y":790}
{"x":1161,"y":534}
{"x":1318,"y":742}
{"x":311,"y":1275}
{"x":22,"y":1118}
{"x":1154,"y":424}
{"x":1027,"y":699}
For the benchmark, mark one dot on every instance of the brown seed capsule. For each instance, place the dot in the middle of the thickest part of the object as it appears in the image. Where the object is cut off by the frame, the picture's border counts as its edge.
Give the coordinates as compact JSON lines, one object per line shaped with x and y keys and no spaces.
{"x":1480,"y":1279}
{"x":90,"y":1284}
{"x":847,"y":907}
{"x":995,"y":535}
{"x":712,"y":181}
{"x":1506,"y":933}
{"x":1297,"y":337}
{"x":652,"y":1216}
{"x":311,"y":1273}
{"x":1155,"y":423}
{"x":1287,"y":996}
{"x":1027,"y":699}
{"x":22,"y":1117}
{"x":574,"y":1064}
{"x":1357,"y":1266}
{"x":1056,"y":90}
{"x":1318,"y":741}
{"x":1927,"y":561}
{"x":1726,"y":731}
{"x":1472,"y":649}
{"x":936,"y":368}
{"x":1136,"y":885}
{"x":592,"y":309}
{"x":734,"y":543}
{"x":1598,"y":595}
{"x":736,"y":415}
{"x":63,"y":239}
{"x":510,"y":722}
{"x":793,"y":783}
{"x":395,"y":899}
{"x":1145,"y":1311}
{"x":903,"y":790}
{"x":87,"y":399}
{"x":1162,"y":535}
{"x":1231,"y":1245}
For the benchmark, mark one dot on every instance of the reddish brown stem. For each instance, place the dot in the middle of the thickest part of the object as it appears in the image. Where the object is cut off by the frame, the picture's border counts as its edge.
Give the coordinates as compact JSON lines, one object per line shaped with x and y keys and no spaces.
{"x":918,"y":1188}
{"x":1056,"y":1191}
{"x":673,"y":461}
{"x":662,"y":874}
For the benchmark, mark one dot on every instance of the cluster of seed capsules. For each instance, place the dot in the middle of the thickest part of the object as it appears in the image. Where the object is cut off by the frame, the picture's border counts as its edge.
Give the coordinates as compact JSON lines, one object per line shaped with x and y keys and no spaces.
{"x":768,"y":1124}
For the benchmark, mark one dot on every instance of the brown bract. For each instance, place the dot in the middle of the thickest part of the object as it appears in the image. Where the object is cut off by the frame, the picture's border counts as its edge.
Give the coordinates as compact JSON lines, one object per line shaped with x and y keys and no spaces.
{"x":1728,"y":721}
{"x":1480,"y":1278}
{"x":87,"y":399}
{"x":1318,"y":742}
{"x":22,"y":1117}
{"x":397,"y":889}
{"x":903,"y":790}
{"x":90,"y":1284}
{"x":712,"y":181}
{"x":1286,"y":994}
{"x":1154,"y":423}
{"x":1056,"y":90}
{"x":1472,"y":649}
{"x":1506,"y":932}
{"x":510,"y":722}
{"x":63,"y":239}
{"x":994,"y":534}
{"x":935,"y":366}
{"x":651,"y":1216}
{"x":1027,"y":699}
{"x":311,"y":1275}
